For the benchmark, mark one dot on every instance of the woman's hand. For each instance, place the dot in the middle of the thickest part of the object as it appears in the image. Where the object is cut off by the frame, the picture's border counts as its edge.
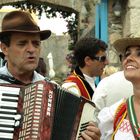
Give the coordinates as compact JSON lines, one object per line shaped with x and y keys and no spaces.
{"x":92,"y":132}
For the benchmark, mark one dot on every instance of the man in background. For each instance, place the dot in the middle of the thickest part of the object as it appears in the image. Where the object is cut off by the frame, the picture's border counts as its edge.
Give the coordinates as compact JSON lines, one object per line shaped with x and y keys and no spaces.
{"x":90,"y":57}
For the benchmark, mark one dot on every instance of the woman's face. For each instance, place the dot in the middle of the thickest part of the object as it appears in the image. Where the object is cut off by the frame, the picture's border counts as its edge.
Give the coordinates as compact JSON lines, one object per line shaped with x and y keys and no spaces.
{"x":131,"y":63}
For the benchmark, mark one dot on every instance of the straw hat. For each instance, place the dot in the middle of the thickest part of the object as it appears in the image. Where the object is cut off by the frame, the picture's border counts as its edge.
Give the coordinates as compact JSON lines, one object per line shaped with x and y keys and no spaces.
{"x":121,"y":44}
{"x":21,"y":21}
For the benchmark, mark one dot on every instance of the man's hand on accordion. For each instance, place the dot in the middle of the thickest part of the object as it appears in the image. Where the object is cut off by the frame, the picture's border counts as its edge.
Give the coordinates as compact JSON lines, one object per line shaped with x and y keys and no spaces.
{"x":92,"y":132}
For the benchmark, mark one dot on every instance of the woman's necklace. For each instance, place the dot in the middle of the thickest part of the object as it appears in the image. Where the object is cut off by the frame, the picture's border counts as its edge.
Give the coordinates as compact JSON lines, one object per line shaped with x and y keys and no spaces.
{"x":132,"y":118}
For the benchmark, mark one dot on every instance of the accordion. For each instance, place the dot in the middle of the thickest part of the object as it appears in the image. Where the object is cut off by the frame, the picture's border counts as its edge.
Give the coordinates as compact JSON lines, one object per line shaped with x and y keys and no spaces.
{"x":42,"y":111}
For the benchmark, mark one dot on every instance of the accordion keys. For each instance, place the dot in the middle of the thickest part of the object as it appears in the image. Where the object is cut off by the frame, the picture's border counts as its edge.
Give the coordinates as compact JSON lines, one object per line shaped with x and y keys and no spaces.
{"x":47,"y":112}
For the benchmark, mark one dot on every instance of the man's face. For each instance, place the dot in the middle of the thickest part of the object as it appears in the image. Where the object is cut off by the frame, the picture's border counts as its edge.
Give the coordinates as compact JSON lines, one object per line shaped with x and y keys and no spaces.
{"x":95,"y":66}
{"x":23,"y":53}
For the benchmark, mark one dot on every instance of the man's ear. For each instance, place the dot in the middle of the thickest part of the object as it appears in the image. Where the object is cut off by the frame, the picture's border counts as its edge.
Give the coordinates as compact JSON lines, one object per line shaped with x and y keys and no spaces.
{"x":4,"y":48}
{"x":87,"y":60}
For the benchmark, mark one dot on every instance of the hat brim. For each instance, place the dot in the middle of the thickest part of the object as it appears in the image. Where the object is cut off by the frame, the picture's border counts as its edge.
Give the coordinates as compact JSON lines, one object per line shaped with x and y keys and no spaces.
{"x":45,"y":34}
{"x":121,"y":44}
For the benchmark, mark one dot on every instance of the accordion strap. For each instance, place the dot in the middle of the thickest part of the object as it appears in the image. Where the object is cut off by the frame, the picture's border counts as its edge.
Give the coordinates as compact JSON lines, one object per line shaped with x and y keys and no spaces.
{"x":120,"y":115}
{"x":10,"y":79}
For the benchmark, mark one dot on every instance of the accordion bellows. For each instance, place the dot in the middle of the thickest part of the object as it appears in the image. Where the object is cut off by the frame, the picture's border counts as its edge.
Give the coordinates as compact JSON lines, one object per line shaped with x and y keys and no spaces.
{"x":42,"y":111}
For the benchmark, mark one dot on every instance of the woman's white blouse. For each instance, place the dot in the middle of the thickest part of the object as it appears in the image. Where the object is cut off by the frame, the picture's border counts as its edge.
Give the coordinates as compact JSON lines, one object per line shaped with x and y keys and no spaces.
{"x":106,"y":119}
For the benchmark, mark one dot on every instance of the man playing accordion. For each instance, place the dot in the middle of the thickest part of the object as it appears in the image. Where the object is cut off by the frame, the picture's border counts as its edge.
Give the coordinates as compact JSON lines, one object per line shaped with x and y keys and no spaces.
{"x":21,"y":39}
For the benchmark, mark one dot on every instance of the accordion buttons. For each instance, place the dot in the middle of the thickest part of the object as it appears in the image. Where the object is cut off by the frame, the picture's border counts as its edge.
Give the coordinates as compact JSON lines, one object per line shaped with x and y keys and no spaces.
{"x":17,"y":123}
{"x":18,"y":117}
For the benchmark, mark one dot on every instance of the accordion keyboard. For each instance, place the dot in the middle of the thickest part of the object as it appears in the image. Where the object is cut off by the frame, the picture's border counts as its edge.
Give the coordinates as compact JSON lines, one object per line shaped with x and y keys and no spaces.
{"x":87,"y":109}
{"x":32,"y":112}
{"x":8,"y":111}
{"x":44,"y":110}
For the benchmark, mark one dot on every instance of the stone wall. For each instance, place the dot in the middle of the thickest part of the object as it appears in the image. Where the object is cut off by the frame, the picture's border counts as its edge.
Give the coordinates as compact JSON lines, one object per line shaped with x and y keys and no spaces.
{"x":127,"y":25}
{"x":73,"y":4}
{"x":87,"y":19}
{"x":115,"y":32}
{"x":58,"y":47}
{"x":131,"y":23}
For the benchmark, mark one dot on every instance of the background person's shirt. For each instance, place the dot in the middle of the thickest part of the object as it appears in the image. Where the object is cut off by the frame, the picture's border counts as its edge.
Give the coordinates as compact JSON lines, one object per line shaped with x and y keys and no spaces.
{"x":111,"y":89}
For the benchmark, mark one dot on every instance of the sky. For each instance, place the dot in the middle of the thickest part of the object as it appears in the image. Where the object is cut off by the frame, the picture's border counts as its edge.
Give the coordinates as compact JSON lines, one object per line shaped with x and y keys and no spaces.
{"x":56,"y":25}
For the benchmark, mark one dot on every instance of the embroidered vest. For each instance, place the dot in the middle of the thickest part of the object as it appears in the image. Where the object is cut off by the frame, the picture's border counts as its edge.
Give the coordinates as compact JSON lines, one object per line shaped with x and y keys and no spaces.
{"x":120,"y":114}
{"x":79,"y":82}
{"x":127,"y":108}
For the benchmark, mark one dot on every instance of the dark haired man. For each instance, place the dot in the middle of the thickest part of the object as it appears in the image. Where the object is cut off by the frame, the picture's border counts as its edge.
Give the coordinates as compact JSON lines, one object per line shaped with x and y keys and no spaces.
{"x":90,"y":55}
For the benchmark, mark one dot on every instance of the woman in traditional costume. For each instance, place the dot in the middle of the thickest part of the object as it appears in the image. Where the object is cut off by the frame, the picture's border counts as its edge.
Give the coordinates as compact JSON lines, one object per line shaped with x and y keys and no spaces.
{"x":121,"y":121}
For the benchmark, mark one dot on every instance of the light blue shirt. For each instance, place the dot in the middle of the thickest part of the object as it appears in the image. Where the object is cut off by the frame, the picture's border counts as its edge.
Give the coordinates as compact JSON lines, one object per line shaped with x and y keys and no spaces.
{"x":4,"y":70}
